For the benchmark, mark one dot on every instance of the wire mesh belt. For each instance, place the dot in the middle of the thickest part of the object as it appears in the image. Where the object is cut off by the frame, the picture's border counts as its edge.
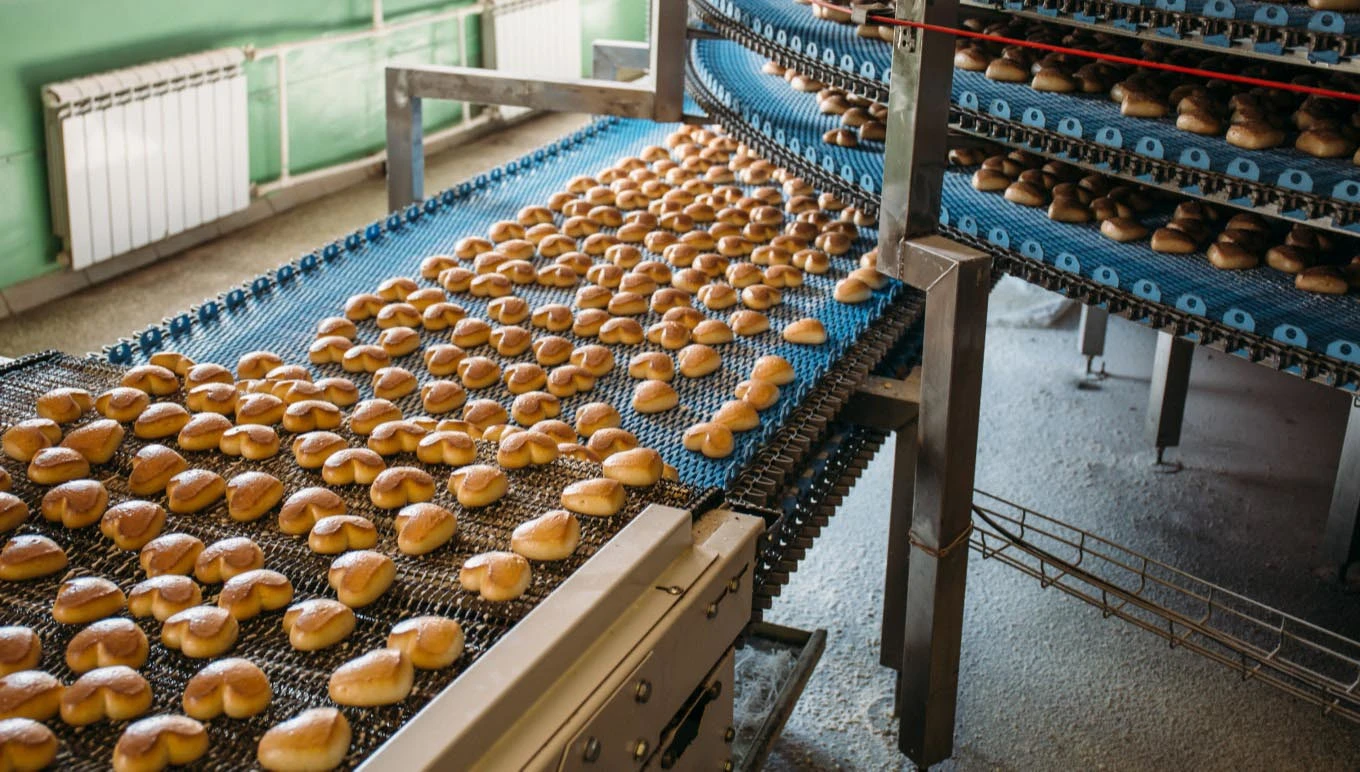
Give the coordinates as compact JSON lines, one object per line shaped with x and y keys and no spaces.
{"x":1256,"y":641}
{"x":281,"y":315}
{"x":425,"y":584}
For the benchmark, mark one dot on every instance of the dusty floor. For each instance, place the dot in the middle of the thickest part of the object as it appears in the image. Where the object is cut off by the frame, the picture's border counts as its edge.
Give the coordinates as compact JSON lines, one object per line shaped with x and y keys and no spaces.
{"x":1046,"y":683}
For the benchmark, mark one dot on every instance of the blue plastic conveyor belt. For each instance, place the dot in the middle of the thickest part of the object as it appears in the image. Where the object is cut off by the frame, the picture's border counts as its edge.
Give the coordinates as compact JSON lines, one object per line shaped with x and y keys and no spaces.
{"x":1096,"y":119}
{"x":1263,"y":301}
{"x":279,"y":312}
{"x":791,"y":118}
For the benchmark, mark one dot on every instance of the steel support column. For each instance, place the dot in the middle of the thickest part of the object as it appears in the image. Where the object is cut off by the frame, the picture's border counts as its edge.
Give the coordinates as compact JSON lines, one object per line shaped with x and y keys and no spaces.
{"x":1091,"y":336}
{"x":1170,"y":386}
{"x":1342,"y":540}
{"x":405,"y":143}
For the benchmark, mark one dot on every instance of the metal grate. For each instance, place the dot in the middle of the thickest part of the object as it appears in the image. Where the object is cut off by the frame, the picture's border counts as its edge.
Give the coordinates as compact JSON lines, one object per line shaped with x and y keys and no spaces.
{"x":1252,"y":639}
{"x":425,"y":584}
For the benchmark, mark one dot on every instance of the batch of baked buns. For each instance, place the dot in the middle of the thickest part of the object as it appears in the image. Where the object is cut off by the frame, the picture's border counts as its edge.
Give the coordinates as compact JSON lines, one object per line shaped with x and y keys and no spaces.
{"x":669,"y":233}
{"x":1320,"y":262}
{"x":861,"y":119}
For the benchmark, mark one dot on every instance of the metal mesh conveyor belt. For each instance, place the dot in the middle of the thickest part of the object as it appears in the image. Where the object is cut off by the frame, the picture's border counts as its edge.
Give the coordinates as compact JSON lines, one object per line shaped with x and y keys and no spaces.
{"x":280,"y":315}
{"x":425,"y":585}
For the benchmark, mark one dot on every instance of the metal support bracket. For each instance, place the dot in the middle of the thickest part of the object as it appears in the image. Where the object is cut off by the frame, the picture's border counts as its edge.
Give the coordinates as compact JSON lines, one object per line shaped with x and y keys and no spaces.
{"x":1342,"y":540}
{"x":890,"y":404}
{"x":1170,"y":388}
{"x":659,"y":97}
{"x":608,"y":57}
{"x":1091,"y":339}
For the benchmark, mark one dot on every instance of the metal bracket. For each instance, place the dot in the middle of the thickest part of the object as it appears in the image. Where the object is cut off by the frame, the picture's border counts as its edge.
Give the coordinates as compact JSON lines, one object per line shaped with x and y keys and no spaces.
{"x":660,"y":97}
{"x":890,"y":404}
{"x":607,"y":57}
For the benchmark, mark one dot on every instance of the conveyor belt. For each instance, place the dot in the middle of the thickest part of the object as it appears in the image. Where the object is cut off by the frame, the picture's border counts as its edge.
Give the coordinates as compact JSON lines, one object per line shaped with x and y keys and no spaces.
{"x":1291,"y":33}
{"x":425,"y":584}
{"x":1257,"y":314}
{"x":279,"y":312}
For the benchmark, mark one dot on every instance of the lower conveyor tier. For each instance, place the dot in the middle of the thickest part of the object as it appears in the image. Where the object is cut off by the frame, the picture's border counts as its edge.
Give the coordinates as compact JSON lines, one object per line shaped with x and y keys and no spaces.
{"x":1257,"y":313}
{"x":280,"y":312}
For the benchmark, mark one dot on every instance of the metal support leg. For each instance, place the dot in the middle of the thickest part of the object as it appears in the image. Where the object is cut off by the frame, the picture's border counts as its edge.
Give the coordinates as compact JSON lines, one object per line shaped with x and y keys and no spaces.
{"x":957,"y":281}
{"x":1091,"y":337}
{"x":1342,"y":539}
{"x":610,"y":56}
{"x":405,"y":144}
{"x":1170,"y":386}
{"x":899,"y":547}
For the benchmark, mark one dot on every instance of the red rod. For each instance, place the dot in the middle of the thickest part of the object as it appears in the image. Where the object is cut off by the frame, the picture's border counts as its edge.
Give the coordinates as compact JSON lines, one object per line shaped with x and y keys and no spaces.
{"x":1322,"y":92}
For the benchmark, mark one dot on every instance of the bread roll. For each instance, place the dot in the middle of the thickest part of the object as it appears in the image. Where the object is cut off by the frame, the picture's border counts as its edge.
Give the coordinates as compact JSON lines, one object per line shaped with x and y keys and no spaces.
{"x":669,"y":335}
{"x":152,"y":468}
{"x":1123,"y":229}
{"x":76,"y":504}
{"x":638,"y":467}
{"x":496,"y":576}
{"x":87,"y":599}
{"x":53,"y":466}
{"x":483,"y":413}
{"x":26,"y":745}
{"x":391,"y":438}
{"x":64,"y":405}
{"x":152,"y":379}
{"x":194,"y":490}
{"x":116,"y":693}
{"x":227,"y":558}
{"x":380,"y":677}
{"x":252,"y":441}
{"x":219,"y":398}
{"x":303,"y":509}
{"x":607,"y":442}
{"x":1254,"y":135}
{"x":163,"y":596}
{"x":478,"y":485}
{"x":311,"y":450}
{"x":122,"y":404}
{"x":203,"y":432}
{"x":428,"y":642}
{"x":235,"y":687}
{"x":444,"y":447}
{"x":29,"y":557}
{"x":20,"y":649}
{"x":14,"y":512}
{"x":654,"y":397}
{"x":172,"y":553}
{"x":317,"y":624}
{"x":353,"y":466}
{"x":340,"y":533}
{"x":598,"y":497}
{"x":758,"y":393}
{"x":157,"y":742}
{"x":23,"y":440}
{"x":1322,"y":279}
{"x":201,"y":632}
{"x":398,"y":486}
{"x":361,"y":577}
{"x":316,"y":739}
{"x":251,"y":494}
{"x":106,"y":643}
{"x":526,"y":448}
{"x":1289,"y":259}
{"x":1232,"y":257}
{"x":423,"y":528}
{"x":132,"y":524}
{"x":30,"y":694}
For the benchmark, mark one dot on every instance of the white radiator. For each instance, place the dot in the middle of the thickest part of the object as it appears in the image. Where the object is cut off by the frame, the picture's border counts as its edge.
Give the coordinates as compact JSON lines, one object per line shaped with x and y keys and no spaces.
{"x":540,"y":37}
{"x":137,"y":155}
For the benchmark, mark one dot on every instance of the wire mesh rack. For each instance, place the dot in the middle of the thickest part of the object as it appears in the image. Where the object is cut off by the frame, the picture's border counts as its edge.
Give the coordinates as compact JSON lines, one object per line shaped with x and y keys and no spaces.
{"x":1252,"y":639}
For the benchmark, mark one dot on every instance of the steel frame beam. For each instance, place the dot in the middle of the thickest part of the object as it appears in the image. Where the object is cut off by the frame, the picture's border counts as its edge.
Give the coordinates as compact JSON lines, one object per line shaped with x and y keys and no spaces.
{"x":659,"y":97}
{"x":607,"y":57}
{"x":1341,"y":541}
{"x":1170,"y":388}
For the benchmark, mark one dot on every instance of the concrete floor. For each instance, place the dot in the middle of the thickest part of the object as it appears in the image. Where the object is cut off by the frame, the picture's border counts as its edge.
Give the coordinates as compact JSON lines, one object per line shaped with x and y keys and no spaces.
{"x":1046,"y":683}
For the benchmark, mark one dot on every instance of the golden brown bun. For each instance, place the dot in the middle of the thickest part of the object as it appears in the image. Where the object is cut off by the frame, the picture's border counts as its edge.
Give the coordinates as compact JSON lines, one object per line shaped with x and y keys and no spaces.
{"x":371,"y":413}
{"x":227,"y":558}
{"x":310,"y":415}
{"x":654,"y":397}
{"x":380,"y":677}
{"x":116,"y":693}
{"x":639,"y":467}
{"x":31,"y":694}
{"x":303,"y":509}
{"x":122,"y":404}
{"x":1322,"y":279}
{"x":311,"y":450}
{"x":13,"y":510}
{"x":20,"y":649}
{"x":251,"y":494}
{"x":76,"y":504}
{"x":201,"y":632}
{"x":162,"y":419}
{"x":87,"y":599}
{"x":428,"y":642}
{"x":317,"y":624}
{"x":554,"y":535}
{"x":526,"y":448}
{"x":313,"y":740}
{"x":478,"y":485}
{"x":163,"y":596}
{"x":1172,"y":241}
{"x":152,"y":468}
{"x":398,"y":486}
{"x":423,"y":528}
{"x":235,"y":687}
{"x":154,"y":743}
{"x":172,"y":553}
{"x":194,"y":490}
{"x":596,"y":360}
{"x":133,"y":523}
{"x":496,"y":576}
{"x":26,"y":744}
{"x":651,"y":365}
{"x":737,"y":415}
{"x":29,"y":557}
{"x":53,"y":466}
{"x":252,"y":441}
{"x":152,"y":379}
{"x":23,"y":440}
{"x":598,"y":497}
{"x":594,"y":416}
{"x":203,"y":432}
{"x":217,"y":398}
{"x":606,"y":442}
{"x":361,"y":577}
{"x":697,"y":360}
{"x":1289,"y":259}
{"x":759,"y":394}
{"x":1232,"y":257}
{"x":446,"y":447}
{"x":64,"y":405}
{"x":106,"y":643}
{"x":711,"y":438}
{"x":340,"y":533}
{"x":256,"y":364}
{"x":1254,"y":135}
{"x":353,"y":466}
{"x":393,"y":437}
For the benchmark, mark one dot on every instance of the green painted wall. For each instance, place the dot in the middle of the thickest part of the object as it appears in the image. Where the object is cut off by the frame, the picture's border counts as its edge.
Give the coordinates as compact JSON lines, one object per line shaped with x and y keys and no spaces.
{"x":335,"y":92}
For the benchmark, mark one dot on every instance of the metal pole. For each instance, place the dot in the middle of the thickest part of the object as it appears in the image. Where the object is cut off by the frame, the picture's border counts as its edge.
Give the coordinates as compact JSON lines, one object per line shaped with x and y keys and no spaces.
{"x":377,"y":14}
{"x":899,"y":547}
{"x":1091,"y":336}
{"x":281,"y":73}
{"x":1341,"y":543}
{"x":957,"y":280}
{"x":405,"y":144}
{"x":1170,"y":386}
